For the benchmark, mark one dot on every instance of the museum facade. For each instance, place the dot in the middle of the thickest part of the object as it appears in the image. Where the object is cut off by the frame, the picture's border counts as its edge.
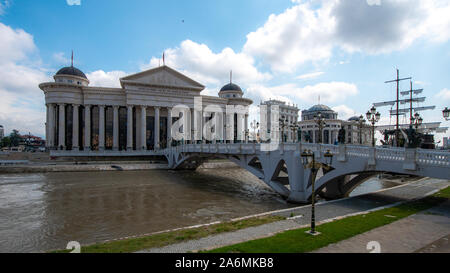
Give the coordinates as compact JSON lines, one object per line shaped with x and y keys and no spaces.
{"x":137,"y":116}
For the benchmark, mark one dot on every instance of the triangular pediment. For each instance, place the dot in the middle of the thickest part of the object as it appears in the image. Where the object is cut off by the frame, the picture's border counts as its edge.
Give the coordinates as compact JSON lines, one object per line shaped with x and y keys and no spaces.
{"x":162,"y":76}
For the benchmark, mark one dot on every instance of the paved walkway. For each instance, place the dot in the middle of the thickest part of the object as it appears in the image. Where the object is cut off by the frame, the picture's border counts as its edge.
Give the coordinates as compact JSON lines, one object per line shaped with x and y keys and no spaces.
{"x":416,"y":233}
{"x":324,"y":212}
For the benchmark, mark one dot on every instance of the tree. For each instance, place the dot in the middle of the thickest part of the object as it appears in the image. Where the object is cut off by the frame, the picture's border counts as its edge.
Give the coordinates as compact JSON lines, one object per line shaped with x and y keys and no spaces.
{"x":14,"y":138}
{"x":5,"y":142}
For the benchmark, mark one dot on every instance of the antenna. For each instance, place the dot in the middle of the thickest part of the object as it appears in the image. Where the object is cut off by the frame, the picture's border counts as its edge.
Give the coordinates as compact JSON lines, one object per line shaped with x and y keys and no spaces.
{"x":231,"y":76}
{"x":72,"y":57}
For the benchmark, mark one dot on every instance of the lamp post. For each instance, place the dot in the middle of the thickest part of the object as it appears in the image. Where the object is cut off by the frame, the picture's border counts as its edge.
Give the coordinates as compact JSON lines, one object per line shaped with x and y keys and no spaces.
{"x":446,"y":113}
{"x":417,"y":120}
{"x":319,"y":119}
{"x":309,"y":161}
{"x":361,"y":122}
{"x":254,"y":125}
{"x":283,"y":124}
{"x":373,"y":117}
{"x":294,"y":126}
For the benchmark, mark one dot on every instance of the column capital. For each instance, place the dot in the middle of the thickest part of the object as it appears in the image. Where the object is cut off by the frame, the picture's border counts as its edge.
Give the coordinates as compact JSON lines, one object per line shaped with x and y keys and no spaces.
{"x":116,"y":106}
{"x":61,"y":104}
{"x":76,"y":104}
{"x":101,"y":105}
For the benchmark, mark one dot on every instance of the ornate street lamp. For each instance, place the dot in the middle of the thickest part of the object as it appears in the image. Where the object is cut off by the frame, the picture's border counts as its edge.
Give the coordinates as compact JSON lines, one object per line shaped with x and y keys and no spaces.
{"x":294,"y":126}
{"x":417,"y":120}
{"x":373,"y":117}
{"x":361,"y":122}
{"x":283,"y":124}
{"x":308,"y":161}
{"x":319,"y":119}
{"x":446,"y":113}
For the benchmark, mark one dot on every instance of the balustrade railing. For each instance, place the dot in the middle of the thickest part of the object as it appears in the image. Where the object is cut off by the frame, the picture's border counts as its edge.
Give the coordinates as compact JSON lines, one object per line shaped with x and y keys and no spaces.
{"x":423,"y":157}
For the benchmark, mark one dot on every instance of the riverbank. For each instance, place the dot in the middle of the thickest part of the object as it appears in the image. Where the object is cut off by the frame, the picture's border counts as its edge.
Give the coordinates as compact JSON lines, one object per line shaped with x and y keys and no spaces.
{"x":293,"y":219}
{"x":93,"y":166}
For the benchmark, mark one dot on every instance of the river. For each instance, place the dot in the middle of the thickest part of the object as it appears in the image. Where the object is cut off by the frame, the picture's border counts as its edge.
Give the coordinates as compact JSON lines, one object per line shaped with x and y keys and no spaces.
{"x":41,"y":212}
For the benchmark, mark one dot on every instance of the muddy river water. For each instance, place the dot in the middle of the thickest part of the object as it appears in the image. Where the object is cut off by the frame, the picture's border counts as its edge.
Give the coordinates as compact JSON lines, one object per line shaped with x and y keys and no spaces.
{"x":40,"y":212}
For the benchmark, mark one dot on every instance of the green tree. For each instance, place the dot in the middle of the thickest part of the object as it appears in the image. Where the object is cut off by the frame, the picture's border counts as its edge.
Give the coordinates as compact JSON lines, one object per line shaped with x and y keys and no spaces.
{"x":5,"y":142}
{"x":14,"y":138}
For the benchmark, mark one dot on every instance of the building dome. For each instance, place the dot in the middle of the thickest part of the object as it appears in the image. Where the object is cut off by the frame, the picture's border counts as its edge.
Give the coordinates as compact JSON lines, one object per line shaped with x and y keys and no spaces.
{"x":231,"y":87}
{"x":320,"y":107}
{"x":71,"y":71}
{"x":355,"y":118}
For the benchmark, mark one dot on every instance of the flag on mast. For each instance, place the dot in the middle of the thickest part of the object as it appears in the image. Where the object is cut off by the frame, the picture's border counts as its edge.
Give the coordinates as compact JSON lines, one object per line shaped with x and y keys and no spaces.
{"x":164,"y":62}
{"x":72,"y":58}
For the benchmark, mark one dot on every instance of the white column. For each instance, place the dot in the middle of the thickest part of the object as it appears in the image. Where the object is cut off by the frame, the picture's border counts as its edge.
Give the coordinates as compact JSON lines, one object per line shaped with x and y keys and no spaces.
{"x":87,"y":127}
{"x":101,"y":128}
{"x":156,"y":127}
{"x":169,"y":126}
{"x":75,"y":128}
{"x":51,"y":125}
{"x":314,"y":136}
{"x":47,"y":126}
{"x":62,"y":127}
{"x":130,"y":128}
{"x":143,"y":127}
{"x":116,"y":128}
{"x":246,"y":128}
{"x":239,"y":127}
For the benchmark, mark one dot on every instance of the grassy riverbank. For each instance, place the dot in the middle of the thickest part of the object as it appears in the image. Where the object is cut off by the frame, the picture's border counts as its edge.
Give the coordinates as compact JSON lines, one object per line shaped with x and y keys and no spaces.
{"x":172,"y":237}
{"x":298,"y":241}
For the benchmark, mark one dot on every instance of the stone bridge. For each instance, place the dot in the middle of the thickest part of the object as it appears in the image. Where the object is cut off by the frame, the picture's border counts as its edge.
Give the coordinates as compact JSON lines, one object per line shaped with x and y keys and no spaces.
{"x":283,"y":171}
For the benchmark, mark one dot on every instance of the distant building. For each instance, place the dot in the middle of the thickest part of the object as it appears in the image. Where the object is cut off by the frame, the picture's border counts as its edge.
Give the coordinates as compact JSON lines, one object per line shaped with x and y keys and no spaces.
{"x":2,"y":132}
{"x":330,"y":132}
{"x":288,"y":113}
{"x":31,"y":141}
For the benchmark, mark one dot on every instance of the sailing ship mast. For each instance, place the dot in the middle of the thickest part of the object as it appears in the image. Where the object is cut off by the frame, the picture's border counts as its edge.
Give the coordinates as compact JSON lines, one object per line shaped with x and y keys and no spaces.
{"x":397,"y":112}
{"x":397,"y":81}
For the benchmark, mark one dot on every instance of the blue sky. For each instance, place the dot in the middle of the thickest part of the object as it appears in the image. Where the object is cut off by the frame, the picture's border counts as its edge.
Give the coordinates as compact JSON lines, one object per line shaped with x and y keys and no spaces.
{"x":290,"y":50}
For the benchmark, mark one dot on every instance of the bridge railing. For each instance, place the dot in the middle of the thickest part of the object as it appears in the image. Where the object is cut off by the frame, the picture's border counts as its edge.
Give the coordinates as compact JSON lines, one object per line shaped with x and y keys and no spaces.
{"x":413,"y":156}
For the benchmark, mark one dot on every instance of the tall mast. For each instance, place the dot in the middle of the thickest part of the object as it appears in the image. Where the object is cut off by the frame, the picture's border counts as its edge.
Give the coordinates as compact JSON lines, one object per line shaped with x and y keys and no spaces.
{"x":410,"y":104}
{"x":398,"y":80}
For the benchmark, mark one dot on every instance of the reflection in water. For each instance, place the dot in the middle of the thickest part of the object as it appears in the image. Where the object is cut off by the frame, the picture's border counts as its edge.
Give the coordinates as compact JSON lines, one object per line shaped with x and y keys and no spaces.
{"x":40,"y":212}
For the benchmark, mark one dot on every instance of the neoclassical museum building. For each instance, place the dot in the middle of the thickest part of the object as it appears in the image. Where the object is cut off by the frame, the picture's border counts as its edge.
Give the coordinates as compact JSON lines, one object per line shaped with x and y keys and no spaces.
{"x":355,"y":133}
{"x":135,"y":117}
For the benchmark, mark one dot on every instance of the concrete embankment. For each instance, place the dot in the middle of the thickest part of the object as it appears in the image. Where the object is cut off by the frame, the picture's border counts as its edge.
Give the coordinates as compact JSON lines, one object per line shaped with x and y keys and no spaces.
{"x":100,"y":166}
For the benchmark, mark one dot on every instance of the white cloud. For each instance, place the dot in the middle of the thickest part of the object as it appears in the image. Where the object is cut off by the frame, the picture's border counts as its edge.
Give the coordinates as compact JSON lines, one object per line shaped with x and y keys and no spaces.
{"x":444,"y":94}
{"x":202,"y":64}
{"x":345,"y":112}
{"x":73,"y":2}
{"x":22,"y":104}
{"x":329,"y":92}
{"x":3,"y":5}
{"x":60,"y":58}
{"x":309,"y":76}
{"x":373,"y":2}
{"x":105,"y":79}
{"x":310,"y":31}
{"x":298,"y":35}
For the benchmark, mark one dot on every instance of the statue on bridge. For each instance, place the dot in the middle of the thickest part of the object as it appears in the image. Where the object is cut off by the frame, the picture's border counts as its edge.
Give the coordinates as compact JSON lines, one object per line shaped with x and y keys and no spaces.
{"x":341,"y":136}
